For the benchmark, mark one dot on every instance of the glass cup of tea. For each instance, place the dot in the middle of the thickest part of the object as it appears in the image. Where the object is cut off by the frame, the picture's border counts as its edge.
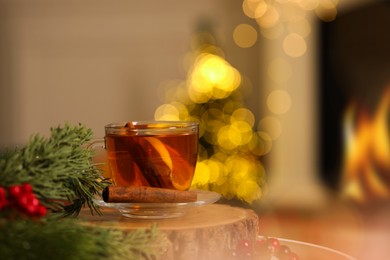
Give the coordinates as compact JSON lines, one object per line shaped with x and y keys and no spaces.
{"x":159,"y":154}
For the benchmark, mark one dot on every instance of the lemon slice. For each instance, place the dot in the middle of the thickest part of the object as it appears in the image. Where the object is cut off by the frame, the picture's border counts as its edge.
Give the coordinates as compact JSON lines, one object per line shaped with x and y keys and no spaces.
{"x":161,"y":150}
{"x":179,"y":178}
{"x":182,"y":175}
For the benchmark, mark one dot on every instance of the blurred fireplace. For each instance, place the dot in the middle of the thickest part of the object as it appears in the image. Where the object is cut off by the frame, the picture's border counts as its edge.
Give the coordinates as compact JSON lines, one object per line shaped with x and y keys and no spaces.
{"x":355,"y":66}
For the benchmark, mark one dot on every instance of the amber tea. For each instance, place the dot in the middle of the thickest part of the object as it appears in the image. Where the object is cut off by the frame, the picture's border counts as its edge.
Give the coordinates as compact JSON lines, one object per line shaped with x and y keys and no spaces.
{"x":155,"y":154}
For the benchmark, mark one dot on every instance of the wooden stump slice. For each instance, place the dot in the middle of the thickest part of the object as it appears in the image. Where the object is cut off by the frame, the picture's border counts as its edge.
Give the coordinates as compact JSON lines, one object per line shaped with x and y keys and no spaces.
{"x":208,"y":232}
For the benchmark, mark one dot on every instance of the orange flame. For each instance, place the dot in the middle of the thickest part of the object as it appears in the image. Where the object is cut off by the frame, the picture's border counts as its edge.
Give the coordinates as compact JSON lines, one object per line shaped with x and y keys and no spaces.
{"x":366,"y":175}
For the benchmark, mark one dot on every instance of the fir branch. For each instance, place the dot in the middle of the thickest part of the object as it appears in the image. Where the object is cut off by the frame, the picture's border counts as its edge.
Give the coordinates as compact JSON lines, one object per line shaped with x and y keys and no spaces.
{"x":67,"y":239}
{"x":63,"y":177}
{"x":140,"y":244}
{"x":59,"y":168}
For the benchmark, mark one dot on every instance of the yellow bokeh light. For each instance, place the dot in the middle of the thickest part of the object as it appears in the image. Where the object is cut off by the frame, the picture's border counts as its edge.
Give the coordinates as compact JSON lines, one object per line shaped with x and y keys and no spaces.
{"x":274,"y":13}
{"x":183,"y":111}
{"x":202,"y":173}
{"x":249,"y":7}
{"x":260,"y":144}
{"x":213,"y":125}
{"x":171,"y":112}
{"x":294,"y":45}
{"x":235,"y":175}
{"x":219,"y":93}
{"x":180,"y":93}
{"x":272,"y":126}
{"x":284,"y":1}
{"x":309,"y":5}
{"x":248,"y":190}
{"x":245,"y":174}
{"x":239,"y":166}
{"x":270,"y":18}
{"x":212,"y":69}
{"x":240,"y":133}
{"x":243,"y":114}
{"x":166,"y":112}
{"x":244,"y":35}
{"x":326,"y":10}
{"x":198,"y":97}
{"x":212,"y":77}
{"x":279,"y":102}
{"x":261,"y":9}
{"x":216,"y":172}
{"x":231,"y":105}
{"x":299,"y":25}
{"x":223,"y":138}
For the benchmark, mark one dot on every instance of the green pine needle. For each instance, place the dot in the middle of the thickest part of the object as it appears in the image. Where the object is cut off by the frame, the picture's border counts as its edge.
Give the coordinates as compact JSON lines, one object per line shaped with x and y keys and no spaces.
{"x":59,"y":168}
{"x":67,"y":239}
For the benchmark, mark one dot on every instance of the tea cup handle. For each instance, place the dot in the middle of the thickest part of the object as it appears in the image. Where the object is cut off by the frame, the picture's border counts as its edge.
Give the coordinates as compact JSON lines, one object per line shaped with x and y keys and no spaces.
{"x":96,"y":143}
{"x":100,"y":156}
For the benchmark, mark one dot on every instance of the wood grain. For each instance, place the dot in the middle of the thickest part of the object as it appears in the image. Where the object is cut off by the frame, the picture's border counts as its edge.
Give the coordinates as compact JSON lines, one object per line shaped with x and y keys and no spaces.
{"x":207,"y":232}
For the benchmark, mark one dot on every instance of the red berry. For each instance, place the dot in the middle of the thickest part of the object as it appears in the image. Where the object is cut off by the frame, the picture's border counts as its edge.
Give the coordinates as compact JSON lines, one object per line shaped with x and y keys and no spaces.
{"x":3,"y":204}
{"x":27,"y":199}
{"x":27,"y":188}
{"x":273,"y":244}
{"x":41,"y":211}
{"x":3,"y":195}
{"x":283,"y":251}
{"x":15,"y":191}
{"x":31,"y":209}
{"x":23,"y":201}
{"x":245,"y":246}
{"x":34,"y":201}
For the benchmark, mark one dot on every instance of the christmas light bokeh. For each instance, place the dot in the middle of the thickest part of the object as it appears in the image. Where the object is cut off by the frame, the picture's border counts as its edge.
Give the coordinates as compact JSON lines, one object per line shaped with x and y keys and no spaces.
{"x":230,"y":145}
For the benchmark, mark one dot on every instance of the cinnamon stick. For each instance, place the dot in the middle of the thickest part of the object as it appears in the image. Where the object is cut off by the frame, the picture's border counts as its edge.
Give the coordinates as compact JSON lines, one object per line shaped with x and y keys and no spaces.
{"x":146,"y":195}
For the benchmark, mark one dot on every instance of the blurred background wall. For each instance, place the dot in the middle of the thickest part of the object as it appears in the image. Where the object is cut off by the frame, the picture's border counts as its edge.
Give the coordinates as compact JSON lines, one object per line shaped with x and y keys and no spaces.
{"x":95,"y":62}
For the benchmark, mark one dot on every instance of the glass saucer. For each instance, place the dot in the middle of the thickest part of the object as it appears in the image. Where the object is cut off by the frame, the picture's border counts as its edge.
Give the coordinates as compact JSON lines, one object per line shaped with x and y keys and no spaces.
{"x":309,"y":251}
{"x":161,"y":210}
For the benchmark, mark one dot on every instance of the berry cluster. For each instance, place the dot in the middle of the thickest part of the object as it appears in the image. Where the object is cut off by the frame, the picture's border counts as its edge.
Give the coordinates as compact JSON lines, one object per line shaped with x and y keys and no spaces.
{"x":263,"y":248}
{"x":21,"y":198}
